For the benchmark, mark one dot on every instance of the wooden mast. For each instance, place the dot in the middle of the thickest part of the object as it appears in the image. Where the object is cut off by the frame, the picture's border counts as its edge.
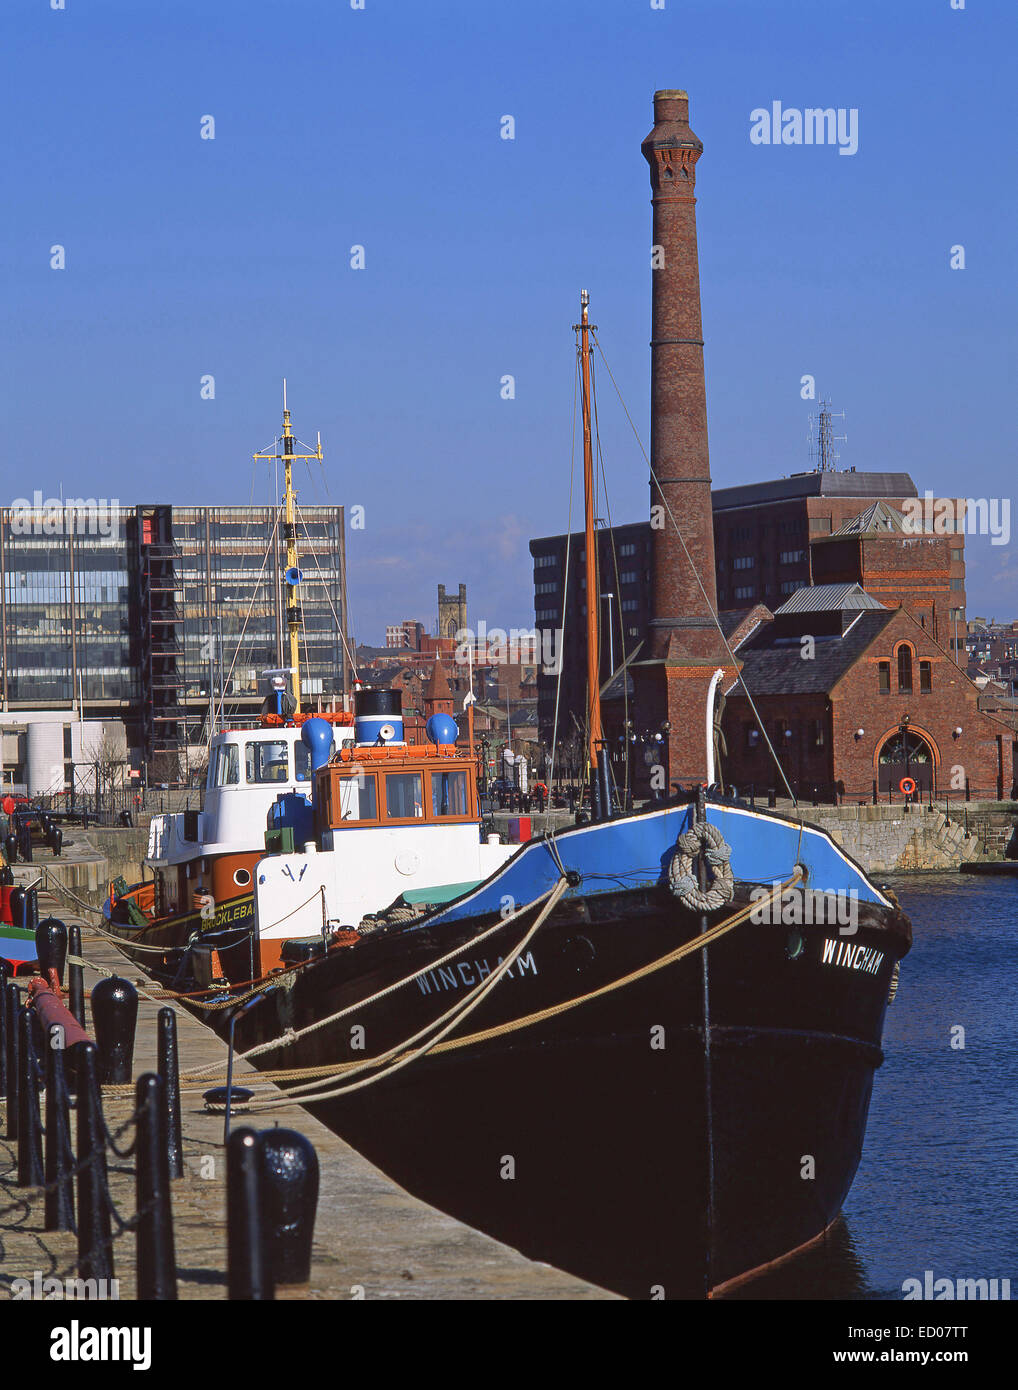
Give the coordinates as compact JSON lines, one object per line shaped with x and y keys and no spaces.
{"x":593,"y":664}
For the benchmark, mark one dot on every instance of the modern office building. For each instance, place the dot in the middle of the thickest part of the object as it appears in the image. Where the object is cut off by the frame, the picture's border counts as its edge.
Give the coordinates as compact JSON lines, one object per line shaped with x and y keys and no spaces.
{"x":165,"y":616}
{"x":560,"y":611}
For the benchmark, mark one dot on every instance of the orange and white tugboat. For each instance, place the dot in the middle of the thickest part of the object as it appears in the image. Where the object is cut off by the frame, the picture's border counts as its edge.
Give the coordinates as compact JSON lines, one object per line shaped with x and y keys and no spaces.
{"x":202,"y":862}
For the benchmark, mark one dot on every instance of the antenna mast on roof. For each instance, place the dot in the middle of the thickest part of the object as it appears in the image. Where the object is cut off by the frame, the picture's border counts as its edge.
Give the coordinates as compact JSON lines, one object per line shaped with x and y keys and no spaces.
{"x":822,"y":440}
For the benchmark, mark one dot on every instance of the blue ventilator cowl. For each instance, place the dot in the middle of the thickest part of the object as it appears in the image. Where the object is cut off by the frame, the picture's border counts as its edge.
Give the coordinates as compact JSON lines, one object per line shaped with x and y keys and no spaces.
{"x":441,"y":728}
{"x":316,"y":736}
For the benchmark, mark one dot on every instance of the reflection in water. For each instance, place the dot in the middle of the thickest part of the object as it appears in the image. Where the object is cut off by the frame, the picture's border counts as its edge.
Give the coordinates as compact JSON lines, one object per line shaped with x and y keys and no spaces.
{"x":936,"y":1187}
{"x":830,"y":1269}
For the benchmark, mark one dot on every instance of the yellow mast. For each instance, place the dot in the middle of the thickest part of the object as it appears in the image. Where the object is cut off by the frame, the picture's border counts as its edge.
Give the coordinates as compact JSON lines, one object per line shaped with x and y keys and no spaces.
{"x":293,"y":609}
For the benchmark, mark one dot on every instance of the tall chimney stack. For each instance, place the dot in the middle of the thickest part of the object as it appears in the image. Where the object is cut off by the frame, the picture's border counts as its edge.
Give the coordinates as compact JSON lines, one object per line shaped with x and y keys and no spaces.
{"x":684,"y":646}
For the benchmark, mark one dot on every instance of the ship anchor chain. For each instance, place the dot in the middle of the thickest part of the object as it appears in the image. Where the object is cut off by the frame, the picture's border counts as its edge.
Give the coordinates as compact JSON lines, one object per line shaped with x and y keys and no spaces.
{"x":706,"y":840}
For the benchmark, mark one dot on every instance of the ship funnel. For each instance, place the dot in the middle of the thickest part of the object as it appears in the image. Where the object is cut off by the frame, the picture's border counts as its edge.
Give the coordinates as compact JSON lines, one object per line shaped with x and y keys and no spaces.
{"x":316,"y":736}
{"x":378,"y":716}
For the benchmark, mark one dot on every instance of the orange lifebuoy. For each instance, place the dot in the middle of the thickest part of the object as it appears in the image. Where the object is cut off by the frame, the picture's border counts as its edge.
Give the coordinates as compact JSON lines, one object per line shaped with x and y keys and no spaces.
{"x":907,"y":786}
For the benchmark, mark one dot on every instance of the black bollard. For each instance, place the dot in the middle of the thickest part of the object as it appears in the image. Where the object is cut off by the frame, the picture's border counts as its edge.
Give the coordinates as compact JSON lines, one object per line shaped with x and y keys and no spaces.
{"x":13,"y":1061}
{"x":56,"y":840}
{"x":59,"y":1155}
{"x":156,"y":1260}
{"x":17,"y":901}
{"x":114,"y":1015}
{"x":95,"y":1248}
{"x":31,"y":909}
{"x":249,"y":1272}
{"x":51,"y":946}
{"x":4,"y":1025}
{"x":75,"y":975}
{"x":289,"y":1201}
{"x":25,"y":843}
{"x":169,"y":1070}
{"x":30,"y":1166}
{"x":11,"y":848}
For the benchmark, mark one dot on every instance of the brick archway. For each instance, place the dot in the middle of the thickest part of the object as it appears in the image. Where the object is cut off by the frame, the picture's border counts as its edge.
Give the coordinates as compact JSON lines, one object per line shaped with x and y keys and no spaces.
{"x":910,"y":753}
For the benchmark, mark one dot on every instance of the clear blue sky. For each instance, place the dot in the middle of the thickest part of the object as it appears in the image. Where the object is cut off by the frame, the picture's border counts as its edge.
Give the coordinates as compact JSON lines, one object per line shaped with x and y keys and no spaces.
{"x":380,"y":127}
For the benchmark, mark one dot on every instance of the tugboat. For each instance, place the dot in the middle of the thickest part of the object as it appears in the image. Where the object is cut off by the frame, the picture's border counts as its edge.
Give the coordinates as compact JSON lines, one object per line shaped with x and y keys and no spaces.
{"x":202,"y":861}
{"x":642,"y":1050}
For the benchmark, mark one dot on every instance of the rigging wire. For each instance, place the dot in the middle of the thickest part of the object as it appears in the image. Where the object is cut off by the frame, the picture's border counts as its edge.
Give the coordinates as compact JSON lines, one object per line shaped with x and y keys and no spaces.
{"x":565,"y":582}
{"x":247,"y":617}
{"x":618,"y":591}
{"x":696,"y":575}
{"x":325,"y":585}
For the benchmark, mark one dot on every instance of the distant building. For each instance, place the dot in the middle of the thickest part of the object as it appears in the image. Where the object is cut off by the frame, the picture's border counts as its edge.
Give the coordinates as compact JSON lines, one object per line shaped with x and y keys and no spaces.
{"x":405,"y":636}
{"x":164,"y":616}
{"x":560,"y":611}
{"x":49,"y":754}
{"x":452,"y":612}
{"x":767,"y":543}
{"x":853,"y":693}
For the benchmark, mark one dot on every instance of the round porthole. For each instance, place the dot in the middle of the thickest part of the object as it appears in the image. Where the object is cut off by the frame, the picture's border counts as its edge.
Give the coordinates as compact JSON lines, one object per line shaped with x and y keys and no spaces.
{"x":242,"y":878}
{"x":794,"y":945}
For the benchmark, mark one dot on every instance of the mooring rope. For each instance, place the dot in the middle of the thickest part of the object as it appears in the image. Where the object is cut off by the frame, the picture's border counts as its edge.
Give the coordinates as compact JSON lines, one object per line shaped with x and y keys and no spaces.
{"x":336,"y":1070}
{"x":292,"y":1036}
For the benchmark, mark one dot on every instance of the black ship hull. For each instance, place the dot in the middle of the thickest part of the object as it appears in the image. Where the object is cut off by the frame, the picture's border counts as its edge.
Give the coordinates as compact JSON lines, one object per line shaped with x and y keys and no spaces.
{"x":666,"y":1138}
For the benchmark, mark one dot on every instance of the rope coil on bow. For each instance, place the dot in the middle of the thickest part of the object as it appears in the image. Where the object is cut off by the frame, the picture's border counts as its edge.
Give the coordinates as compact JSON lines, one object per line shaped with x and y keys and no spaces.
{"x":717,"y":852}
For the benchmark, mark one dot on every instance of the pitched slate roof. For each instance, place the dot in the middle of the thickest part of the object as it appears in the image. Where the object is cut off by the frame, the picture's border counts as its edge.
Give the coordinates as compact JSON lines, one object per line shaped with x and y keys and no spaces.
{"x":879,"y":518}
{"x":828,"y":598}
{"x":773,"y":664}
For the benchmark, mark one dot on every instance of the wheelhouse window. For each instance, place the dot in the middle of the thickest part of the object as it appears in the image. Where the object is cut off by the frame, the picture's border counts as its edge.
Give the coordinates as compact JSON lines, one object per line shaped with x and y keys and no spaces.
{"x":227,"y":765}
{"x":904,"y":670}
{"x":404,"y":795}
{"x":266,"y":761}
{"x":450,"y":795}
{"x":301,"y":762}
{"x":357,"y":798}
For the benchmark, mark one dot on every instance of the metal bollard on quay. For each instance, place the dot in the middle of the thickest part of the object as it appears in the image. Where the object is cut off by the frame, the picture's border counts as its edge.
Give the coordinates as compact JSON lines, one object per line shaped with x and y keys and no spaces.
{"x":13,"y":1068}
{"x":75,"y":975}
{"x":248,"y":1271}
{"x":30,"y":1165}
{"x":114,"y":1016}
{"x":95,"y":1248}
{"x":51,"y":946}
{"x":155,"y":1256}
{"x":169,"y":1069}
{"x":290,"y":1202}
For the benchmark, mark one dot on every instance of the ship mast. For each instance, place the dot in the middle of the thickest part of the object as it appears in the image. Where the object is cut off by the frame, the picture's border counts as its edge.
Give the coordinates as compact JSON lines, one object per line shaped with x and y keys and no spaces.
{"x":593,"y":665}
{"x":293,"y":574}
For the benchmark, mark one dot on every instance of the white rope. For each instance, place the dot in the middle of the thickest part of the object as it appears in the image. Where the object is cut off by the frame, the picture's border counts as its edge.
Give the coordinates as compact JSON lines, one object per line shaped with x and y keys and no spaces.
{"x":295,"y":1035}
{"x":455,"y":1016}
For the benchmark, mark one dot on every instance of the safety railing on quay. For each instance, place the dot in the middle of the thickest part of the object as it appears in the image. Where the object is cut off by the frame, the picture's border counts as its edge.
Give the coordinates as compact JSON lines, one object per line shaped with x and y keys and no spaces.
{"x":47,"y":1055}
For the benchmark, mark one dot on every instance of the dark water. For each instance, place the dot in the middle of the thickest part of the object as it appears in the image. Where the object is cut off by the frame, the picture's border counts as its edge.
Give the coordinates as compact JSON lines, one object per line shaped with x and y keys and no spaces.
{"x":937,"y":1188}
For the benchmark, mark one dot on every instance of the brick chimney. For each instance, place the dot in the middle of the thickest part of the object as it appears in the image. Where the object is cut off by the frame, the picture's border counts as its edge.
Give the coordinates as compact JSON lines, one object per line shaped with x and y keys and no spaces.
{"x":684,"y":647}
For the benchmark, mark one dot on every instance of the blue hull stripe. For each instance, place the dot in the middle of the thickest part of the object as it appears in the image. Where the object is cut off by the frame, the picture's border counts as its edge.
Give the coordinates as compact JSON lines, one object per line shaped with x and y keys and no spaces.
{"x":635,"y":852}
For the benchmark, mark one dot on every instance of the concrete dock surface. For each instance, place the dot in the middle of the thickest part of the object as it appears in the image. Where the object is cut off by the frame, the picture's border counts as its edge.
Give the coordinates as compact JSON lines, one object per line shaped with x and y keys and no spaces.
{"x":373,"y":1240}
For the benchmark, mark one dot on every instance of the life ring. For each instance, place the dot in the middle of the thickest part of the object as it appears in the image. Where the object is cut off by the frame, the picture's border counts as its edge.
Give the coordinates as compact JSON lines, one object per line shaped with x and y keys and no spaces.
{"x":707,"y":839}
{"x":907,"y":786}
